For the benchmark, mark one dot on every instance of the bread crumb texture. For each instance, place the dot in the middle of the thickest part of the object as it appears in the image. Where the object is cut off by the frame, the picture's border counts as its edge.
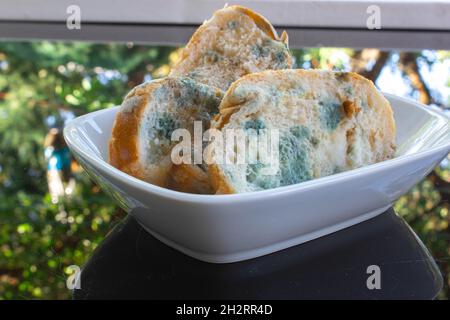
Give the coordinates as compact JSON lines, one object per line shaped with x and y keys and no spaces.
{"x":234,"y":42}
{"x":328,"y":122}
{"x":141,"y":140}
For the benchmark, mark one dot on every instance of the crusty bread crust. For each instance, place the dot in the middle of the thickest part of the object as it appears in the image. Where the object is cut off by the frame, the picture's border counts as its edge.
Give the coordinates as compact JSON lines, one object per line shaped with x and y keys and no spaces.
{"x":219,"y":182}
{"x":381,"y":126}
{"x":190,"y":178}
{"x":124,"y":143}
{"x":260,"y":21}
{"x":219,"y":53}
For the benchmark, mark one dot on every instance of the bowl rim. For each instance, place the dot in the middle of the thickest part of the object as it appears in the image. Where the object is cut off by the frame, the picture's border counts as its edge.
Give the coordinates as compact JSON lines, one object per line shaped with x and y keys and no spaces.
{"x":105,"y":167}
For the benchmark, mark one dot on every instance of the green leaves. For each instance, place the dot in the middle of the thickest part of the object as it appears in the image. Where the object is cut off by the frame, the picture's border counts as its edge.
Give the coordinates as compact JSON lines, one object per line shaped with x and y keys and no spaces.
{"x":39,"y":239}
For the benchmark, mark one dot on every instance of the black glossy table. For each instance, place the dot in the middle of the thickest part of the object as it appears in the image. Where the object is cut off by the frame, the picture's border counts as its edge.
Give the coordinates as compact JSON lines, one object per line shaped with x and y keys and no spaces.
{"x":131,"y":264}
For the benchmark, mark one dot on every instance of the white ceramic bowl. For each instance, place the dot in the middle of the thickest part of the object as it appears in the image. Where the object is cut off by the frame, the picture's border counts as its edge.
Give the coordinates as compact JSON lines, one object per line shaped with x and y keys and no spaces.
{"x":228,"y":228}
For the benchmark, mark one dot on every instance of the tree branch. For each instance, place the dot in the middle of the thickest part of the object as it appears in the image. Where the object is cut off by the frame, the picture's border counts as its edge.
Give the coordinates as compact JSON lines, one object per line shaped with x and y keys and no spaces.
{"x":409,"y":67}
{"x":362,"y":58}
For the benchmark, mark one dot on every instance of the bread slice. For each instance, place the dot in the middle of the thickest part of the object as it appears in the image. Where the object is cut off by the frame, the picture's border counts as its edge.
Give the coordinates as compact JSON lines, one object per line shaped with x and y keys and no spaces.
{"x":234,"y":42}
{"x":327,"y":122}
{"x":141,"y":142}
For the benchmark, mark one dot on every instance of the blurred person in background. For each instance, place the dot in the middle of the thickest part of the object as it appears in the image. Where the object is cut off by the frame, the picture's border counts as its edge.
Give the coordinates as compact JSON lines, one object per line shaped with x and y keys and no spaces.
{"x":58,"y":158}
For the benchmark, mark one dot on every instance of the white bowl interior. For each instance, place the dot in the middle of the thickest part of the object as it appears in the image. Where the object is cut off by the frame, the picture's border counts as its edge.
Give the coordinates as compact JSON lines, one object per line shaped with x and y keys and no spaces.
{"x":418,"y":128}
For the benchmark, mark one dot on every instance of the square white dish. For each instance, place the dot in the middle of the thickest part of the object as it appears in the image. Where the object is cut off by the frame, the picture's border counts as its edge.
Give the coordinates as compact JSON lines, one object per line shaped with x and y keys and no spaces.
{"x":229,"y":228}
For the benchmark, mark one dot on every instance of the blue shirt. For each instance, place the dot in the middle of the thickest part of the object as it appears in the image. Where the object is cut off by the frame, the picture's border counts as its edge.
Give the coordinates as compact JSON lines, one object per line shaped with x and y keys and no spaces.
{"x":57,"y":159}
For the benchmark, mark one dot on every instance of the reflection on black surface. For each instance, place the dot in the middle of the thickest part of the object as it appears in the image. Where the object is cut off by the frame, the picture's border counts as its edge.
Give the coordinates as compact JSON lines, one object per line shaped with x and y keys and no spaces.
{"x":132,"y":264}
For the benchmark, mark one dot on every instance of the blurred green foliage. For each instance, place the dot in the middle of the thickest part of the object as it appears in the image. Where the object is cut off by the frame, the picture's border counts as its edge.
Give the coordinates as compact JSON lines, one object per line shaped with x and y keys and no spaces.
{"x":39,"y":81}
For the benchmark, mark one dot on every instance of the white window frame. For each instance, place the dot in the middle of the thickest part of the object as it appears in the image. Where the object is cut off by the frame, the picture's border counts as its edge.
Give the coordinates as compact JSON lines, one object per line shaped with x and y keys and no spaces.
{"x":395,"y":14}
{"x":415,"y":24}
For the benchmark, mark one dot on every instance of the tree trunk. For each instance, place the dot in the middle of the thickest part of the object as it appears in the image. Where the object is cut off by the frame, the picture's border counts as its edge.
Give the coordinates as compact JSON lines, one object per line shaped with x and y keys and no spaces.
{"x":408,"y":65}
{"x":362,"y":58}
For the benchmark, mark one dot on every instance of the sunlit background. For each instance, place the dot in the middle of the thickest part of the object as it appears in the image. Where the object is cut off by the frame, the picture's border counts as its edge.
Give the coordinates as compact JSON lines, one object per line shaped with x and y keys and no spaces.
{"x":53,"y":216}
